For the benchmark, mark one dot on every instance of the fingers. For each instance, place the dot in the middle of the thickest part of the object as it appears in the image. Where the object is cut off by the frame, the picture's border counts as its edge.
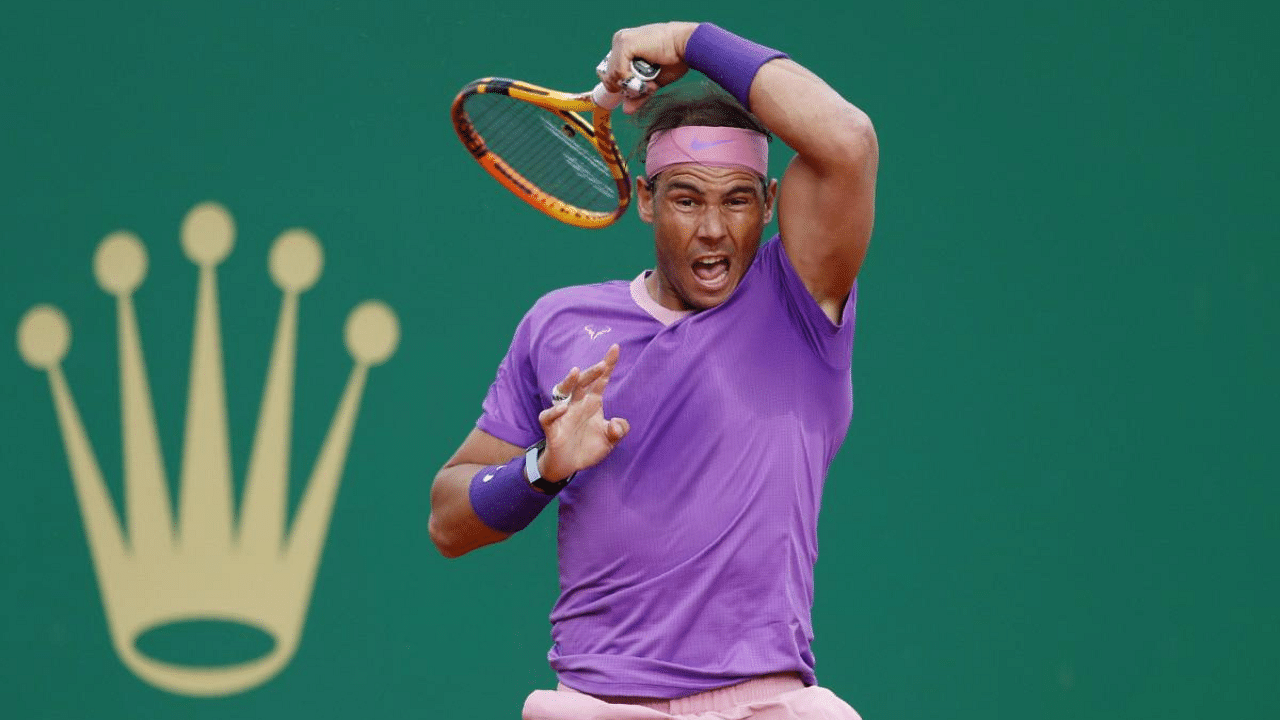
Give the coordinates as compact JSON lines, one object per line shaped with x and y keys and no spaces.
{"x":595,"y":378}
{"x":616,"y":429}
{"x":578,"y":384}
{"x":547,"y":417}
{"x":579,"y":416}
{"x":628,"y":44}
{"x":606,"y":365}
{"x":617,"y":65}
{"x":660,"y":44}
{"x":611,"y":356}
{"x":564,"y":389}
{"x":604,"y":72}
{"x":586,"y":380}
{"x":616,"y":70}
{"x":631,"y":84}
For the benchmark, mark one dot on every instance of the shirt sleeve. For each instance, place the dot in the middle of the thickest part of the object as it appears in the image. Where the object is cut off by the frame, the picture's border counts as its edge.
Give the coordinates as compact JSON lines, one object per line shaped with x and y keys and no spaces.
{"x":511,"y":407}
{"x":831,"y":341}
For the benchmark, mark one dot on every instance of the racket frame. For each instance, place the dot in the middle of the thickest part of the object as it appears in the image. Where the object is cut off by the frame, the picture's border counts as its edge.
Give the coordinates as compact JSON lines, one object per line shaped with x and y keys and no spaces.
{"x":569,"y":108}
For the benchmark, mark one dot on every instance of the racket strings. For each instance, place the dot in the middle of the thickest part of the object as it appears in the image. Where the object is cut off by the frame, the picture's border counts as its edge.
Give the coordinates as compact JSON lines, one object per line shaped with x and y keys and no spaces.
{"x":534,"y":142}
{"x":510,"y":131}
{"x":555,"y":167}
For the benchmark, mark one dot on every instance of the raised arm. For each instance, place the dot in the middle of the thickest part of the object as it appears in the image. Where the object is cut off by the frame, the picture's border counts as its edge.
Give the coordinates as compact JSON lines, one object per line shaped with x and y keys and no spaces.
{"x":826,"y":204}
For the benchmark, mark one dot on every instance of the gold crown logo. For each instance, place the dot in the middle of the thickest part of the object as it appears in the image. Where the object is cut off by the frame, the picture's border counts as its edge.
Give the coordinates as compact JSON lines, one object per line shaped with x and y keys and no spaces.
{"x":259,"y":571}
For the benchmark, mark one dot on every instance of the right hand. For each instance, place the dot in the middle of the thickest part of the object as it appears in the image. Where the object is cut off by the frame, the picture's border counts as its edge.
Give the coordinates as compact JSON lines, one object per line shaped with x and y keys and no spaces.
{"x":578,"y":435}
{"x":660,"y":43}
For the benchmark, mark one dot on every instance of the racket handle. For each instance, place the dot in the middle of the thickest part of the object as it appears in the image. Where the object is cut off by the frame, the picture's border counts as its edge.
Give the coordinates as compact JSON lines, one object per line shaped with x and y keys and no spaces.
{"x":605,"y":99}
{"x":643,"y":72}
{"x":644,"y":69}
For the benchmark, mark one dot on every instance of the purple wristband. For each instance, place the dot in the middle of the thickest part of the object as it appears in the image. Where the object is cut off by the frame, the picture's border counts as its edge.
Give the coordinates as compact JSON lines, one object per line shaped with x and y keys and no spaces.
{"x":503,"y":499}
{"x":728,"y":59}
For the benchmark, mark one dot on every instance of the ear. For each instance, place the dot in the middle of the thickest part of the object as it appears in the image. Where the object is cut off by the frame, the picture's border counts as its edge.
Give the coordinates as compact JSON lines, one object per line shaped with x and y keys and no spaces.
{"x":770,"y":196}
{"x":644,"y":199}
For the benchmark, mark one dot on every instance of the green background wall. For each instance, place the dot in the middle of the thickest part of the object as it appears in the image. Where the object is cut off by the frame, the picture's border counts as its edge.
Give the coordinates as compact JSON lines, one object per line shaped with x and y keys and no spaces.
{"x":1058,"y":498}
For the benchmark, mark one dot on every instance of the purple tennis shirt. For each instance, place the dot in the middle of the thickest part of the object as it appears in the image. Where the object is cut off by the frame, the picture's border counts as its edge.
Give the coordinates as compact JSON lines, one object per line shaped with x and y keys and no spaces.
{"x":686,"y":556}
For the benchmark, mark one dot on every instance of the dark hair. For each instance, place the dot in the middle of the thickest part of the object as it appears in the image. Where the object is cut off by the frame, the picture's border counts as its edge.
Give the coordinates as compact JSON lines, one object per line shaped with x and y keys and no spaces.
{"x":707,"y":105}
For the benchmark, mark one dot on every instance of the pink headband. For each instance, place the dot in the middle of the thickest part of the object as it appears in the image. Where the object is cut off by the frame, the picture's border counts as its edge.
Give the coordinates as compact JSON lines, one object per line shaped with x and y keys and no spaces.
{"x":703,"y":145}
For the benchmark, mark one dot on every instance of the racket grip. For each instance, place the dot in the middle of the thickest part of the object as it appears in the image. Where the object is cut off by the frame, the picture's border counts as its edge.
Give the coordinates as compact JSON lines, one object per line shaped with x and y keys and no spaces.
{"x":605,"y":99}
{"x":643,"y":72}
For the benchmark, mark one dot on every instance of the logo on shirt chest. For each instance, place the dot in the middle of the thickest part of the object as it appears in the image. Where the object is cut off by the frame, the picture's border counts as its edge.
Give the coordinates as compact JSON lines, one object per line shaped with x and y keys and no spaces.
{"x":595,"y":331}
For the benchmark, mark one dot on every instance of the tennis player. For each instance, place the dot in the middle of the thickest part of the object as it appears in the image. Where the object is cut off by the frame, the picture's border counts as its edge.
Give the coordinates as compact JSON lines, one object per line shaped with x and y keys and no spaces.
{"x":685,"y":419}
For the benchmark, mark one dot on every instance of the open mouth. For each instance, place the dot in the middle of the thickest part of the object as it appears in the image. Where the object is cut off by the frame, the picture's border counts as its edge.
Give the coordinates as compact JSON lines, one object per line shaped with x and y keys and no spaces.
{"x":712,"y":272}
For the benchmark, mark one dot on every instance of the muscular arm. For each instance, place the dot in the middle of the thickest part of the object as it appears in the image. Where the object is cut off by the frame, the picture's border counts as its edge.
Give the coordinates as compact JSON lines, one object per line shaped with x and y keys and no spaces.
{"x":826,"y":206}
{"x":455,"y":529}
{"x":826,"y":203}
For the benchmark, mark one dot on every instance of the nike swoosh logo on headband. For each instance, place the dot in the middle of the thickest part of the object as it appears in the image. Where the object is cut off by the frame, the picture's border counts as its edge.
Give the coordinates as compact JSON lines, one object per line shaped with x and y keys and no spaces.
{"x":700,"y":145}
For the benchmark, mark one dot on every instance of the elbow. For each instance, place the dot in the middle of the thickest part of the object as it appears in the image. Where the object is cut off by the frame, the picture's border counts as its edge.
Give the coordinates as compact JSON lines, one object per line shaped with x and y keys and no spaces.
{"x":446,"y":543}
{"x":852,"y":142}
{"x":453,"y":526}
{"x":443,"y":523}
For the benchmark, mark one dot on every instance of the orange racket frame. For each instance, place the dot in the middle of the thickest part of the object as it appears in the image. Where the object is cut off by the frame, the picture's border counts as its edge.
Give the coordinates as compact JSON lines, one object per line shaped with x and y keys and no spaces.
{"x":568,"y":107}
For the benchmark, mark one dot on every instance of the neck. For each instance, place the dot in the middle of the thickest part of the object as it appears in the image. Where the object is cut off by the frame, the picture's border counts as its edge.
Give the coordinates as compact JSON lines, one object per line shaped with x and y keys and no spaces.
{"x":658,"y":290}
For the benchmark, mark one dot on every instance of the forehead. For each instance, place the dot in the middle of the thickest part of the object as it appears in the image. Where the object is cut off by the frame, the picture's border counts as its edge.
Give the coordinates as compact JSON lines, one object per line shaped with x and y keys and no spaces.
{"x":707,"y":178}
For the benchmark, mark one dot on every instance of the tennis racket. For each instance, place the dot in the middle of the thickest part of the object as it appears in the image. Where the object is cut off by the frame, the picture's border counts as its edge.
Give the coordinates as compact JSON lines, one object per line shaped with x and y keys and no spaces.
{"x":539,"y":145}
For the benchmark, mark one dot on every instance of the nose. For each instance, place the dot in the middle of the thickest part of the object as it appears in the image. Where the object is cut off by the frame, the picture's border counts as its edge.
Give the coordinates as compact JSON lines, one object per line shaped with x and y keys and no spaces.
{"x":711,"y":224}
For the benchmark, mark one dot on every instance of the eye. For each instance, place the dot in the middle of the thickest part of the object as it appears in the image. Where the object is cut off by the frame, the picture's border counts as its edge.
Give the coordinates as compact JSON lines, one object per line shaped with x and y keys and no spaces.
{"x":684,"y":202}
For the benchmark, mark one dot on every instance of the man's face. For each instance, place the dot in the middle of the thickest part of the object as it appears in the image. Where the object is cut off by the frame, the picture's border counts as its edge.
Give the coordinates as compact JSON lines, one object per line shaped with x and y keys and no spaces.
{"x":707,"y":223}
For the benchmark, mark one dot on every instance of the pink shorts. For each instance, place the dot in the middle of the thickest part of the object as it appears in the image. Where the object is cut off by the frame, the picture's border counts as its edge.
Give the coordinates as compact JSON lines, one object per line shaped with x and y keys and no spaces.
{"x":772,"y":697}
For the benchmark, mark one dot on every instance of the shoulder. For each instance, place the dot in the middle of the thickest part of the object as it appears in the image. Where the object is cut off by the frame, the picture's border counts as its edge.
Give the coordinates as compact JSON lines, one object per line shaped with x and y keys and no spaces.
{"x":770,"y":263}
{"x":580,"y":297}
{"x":771,"y":254}
{"x":774,"y":260}
{"x":572,"y":302}
{"x":778,"y":289}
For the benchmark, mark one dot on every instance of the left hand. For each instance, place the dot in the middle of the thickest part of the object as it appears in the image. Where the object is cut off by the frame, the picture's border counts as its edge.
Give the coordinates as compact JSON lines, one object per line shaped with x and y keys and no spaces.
{"x":578,"y":434}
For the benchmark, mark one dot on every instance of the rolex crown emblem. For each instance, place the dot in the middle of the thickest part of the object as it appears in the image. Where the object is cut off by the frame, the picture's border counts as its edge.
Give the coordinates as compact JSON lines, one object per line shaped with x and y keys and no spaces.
{"x":256,"y":569}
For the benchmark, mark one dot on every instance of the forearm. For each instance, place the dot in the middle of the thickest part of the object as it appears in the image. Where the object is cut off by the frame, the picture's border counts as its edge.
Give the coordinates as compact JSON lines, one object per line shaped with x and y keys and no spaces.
{"x":806,"y":113}
{"x":826,"y":130}
{"x":454,"y":526}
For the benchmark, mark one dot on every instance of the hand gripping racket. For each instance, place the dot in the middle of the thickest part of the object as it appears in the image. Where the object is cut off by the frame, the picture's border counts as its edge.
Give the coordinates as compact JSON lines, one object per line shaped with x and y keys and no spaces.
{"x":537,"y":144}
